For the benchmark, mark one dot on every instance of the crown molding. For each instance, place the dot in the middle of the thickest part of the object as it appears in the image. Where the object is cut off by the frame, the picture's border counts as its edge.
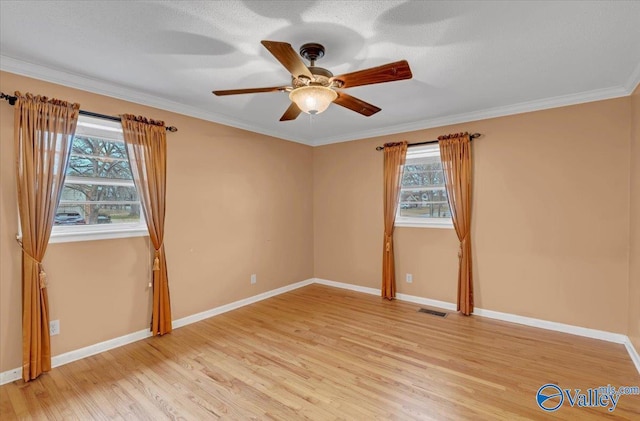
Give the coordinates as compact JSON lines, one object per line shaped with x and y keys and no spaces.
{"x":72,"y":80}
{"x":633,"y":81}
{"x":84,"y":83}
{"x":523,"y":107}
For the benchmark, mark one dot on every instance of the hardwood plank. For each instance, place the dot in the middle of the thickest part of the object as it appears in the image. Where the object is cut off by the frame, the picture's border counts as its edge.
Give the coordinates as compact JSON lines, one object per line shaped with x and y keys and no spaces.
{"x":320,"y":353}
{"x":6,"y":406}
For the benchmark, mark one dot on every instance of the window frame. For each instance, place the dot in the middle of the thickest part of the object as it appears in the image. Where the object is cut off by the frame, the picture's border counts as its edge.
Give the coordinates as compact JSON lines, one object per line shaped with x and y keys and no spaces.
{"x":107,"y":130}
{"x":423,"y":151}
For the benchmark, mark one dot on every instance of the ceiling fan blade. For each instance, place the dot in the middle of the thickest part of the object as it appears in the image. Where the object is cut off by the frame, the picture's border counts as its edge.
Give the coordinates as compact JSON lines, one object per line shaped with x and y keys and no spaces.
{"x":355,"y":104}
{"x":386,"y":73}
{"x":288,"y":57}
{"x":250,"y":90}
{"x":292,"y":112}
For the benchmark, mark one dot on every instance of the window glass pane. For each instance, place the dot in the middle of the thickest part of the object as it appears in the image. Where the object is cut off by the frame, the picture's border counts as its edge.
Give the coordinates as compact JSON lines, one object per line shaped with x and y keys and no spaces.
{"x":96,"y":204}
{"x":423,"y":172}
{"x":97,"y":213}
{"x":423,"y":193}
{"x":98,"y":199}
{"x":94,"y":157}
{"x":434,"y":205}
{"x":98,"y":193}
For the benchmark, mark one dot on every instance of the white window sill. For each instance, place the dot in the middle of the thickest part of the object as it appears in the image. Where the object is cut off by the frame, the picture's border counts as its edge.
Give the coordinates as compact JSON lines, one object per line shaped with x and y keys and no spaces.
{"x":96,"y":233}
{"x":418,"y":224}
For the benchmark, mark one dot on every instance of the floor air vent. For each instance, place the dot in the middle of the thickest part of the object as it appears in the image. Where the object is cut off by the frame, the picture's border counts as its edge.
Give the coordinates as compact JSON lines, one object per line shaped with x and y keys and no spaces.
{"x":433,"y":312}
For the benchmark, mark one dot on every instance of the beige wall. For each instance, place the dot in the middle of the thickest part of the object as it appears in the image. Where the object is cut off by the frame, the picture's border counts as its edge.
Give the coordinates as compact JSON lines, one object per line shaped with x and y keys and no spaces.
{"x":238,"y":203}
{"x":550,"y":217}
{"x":634,"y":232}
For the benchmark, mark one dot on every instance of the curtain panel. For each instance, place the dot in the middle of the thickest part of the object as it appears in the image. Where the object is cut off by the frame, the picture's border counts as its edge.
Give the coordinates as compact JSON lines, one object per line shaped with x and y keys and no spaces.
{"x":43,"y":133}
{"x":455,"y":153}
{"x":394,"y":158}
{"x":146,"y":142}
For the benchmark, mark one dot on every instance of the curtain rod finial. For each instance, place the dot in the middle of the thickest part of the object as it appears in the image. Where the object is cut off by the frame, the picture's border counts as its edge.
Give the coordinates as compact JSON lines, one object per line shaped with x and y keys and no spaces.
{"x":172,"y":129}
{"x":10,"y":99}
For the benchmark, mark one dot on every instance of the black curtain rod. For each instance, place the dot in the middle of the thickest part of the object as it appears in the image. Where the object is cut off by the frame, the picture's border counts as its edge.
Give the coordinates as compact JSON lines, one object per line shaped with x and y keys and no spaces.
{"x":12,"y":101}
{"x":428,"y":142}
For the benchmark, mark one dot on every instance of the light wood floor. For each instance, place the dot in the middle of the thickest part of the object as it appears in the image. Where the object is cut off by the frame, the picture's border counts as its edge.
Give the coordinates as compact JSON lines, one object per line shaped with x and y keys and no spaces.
{"x":323,"y":353}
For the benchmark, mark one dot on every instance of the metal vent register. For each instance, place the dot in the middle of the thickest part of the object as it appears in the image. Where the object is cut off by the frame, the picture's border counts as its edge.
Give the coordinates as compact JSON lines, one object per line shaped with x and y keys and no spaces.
{"x":432,"y":312}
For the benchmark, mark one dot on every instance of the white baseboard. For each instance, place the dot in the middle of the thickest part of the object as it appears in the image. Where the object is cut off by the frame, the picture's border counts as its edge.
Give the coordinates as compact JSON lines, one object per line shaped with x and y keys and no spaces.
{"x":375,"y":291}
{"x":58,"y":360}
{"x":94,"y":349}
{"x":426,"y":302}
{"x":617,"y":338}
{"x":10,"y":375}
{"x":507,"y":317}
{"x":237,"y":304}
{"x":633,"y":353}
{"x":78,"y":354}
{"x":351,"y":287}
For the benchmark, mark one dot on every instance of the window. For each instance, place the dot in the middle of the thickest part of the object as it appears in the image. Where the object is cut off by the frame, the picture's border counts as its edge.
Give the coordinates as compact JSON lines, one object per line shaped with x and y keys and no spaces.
{"x":423,"y":197}
{"x":99,"y":199}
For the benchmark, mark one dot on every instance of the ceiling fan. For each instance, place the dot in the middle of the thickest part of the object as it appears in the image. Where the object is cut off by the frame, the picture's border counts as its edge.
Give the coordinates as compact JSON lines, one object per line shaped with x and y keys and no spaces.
{"x":313,"y":88}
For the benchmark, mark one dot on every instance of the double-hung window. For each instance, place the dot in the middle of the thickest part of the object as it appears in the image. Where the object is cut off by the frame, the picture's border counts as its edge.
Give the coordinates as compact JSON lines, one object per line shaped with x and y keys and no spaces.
{"x":423,"y":197}
{"x":99,"y":199}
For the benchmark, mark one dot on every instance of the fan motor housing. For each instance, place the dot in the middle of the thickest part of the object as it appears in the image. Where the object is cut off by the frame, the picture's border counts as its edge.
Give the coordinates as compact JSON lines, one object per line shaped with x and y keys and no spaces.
{"x":321,"y":76}
{"x":312,"y":51}
{"x":319,"y":71}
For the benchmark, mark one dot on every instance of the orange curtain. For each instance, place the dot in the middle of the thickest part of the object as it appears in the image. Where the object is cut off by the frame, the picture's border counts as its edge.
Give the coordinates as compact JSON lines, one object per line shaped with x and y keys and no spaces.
{"x":455,"y":153}
{"x":146,"y":142}
{"x":43,"y":132}
{"x":394,"y":158}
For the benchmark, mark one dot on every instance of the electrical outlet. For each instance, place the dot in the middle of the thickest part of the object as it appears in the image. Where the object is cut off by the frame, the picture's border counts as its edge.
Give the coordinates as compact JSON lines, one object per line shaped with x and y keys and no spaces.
{"x":254,"y":278}
{"x":54,"y":327}
{"x":409,"y":278}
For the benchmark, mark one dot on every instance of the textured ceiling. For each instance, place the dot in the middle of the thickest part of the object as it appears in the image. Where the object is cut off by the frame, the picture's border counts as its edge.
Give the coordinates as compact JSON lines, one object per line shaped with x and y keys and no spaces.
{"x":470,"y":60}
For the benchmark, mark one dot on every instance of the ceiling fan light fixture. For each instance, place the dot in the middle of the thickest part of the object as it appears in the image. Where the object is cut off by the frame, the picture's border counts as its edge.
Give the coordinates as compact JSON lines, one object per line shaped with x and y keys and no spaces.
{"x":313,"y":99}
{"x":312,"y":87}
